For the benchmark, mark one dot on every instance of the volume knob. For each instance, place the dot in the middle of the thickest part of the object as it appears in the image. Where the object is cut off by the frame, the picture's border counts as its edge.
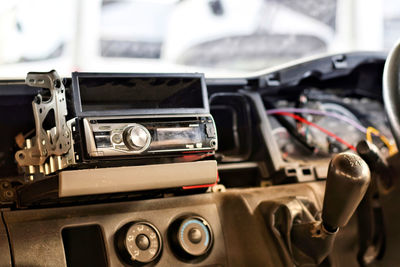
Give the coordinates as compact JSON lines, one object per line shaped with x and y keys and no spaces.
{"x":137,"y":137}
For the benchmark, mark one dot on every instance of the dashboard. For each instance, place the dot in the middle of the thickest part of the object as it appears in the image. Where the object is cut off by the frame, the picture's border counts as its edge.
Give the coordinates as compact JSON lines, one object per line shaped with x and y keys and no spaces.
{"x":277,"y":133}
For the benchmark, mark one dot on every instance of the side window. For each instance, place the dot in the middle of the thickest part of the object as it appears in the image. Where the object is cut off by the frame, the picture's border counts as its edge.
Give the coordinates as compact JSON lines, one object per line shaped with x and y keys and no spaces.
{"x":33,"y":31}
{"x":133,"y":29}
{"x":391,"y":23}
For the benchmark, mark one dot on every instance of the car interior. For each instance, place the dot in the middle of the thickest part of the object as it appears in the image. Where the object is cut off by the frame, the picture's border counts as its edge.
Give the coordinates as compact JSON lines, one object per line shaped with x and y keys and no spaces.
{"x":293,"y":165}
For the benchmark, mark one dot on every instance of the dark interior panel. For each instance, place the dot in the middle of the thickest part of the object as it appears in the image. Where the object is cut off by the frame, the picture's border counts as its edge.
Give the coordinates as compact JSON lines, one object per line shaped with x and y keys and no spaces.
{"x":49,"y":226}
{"x":84,"y":246}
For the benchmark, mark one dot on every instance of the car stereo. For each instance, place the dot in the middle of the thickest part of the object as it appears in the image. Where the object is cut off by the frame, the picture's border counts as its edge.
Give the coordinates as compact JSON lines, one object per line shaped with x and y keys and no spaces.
{"x":96,"y":121}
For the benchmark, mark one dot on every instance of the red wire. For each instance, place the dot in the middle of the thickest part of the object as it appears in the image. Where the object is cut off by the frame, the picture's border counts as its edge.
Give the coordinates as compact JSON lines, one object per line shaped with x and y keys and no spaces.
{"x":294,"y":116}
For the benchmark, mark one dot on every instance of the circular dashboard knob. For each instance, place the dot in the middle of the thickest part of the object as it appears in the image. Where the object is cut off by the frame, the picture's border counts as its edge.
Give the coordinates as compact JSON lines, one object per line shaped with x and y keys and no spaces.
{"x":191,"y":237}
{"x":139,"y":242}
{"x":137,"y":137}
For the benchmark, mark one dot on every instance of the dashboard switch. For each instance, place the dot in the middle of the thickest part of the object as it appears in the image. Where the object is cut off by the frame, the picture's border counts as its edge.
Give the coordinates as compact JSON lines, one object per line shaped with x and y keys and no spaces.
{"x":191,"y":237}
{"x":195,"y":235}
{"x":142,"y":241}
{"x":139,"y":242}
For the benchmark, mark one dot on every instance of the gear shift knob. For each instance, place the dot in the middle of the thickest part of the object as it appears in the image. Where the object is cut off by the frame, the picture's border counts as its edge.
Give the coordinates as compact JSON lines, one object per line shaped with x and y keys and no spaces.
{"x":347,"y":181}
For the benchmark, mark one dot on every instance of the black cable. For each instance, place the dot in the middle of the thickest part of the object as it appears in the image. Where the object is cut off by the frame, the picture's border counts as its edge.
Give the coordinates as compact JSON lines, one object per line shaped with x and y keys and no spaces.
{"x":289,"y":127}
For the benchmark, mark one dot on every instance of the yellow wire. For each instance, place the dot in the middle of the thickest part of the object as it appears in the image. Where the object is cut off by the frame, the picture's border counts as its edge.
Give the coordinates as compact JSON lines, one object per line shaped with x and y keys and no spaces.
{"x":371,"y":130}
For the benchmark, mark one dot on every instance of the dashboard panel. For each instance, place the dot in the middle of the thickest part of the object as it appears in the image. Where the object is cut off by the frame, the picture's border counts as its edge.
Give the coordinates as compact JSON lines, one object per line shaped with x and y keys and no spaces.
{"x":239,"y":229}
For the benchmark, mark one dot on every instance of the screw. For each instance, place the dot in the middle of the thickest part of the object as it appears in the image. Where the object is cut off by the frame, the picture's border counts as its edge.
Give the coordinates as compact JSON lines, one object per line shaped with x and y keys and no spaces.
{"x":57,"y":83}
{"x":8,"y":194}
{"x":37,"y":100}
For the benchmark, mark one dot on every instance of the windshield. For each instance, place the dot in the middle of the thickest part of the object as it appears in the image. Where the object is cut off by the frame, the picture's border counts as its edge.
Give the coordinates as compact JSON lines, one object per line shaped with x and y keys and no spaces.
{"x":218,"y":37}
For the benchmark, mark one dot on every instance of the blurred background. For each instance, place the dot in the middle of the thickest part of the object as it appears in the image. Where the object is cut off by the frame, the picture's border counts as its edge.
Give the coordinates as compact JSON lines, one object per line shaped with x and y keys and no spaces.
{"x":218,"y":37}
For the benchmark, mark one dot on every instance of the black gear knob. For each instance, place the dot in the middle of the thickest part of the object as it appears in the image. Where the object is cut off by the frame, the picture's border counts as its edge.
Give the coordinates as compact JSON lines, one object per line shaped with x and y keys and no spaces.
{"x":348,"y":180}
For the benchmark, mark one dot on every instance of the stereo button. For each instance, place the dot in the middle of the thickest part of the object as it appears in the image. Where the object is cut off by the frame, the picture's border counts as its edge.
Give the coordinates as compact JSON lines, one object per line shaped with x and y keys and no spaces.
{"x":210,"y":131}
{"x":116,"y":138}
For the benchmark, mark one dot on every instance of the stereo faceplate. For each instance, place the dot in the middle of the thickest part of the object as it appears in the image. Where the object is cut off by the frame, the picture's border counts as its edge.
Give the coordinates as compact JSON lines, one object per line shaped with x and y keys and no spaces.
{"x":115,"y":136}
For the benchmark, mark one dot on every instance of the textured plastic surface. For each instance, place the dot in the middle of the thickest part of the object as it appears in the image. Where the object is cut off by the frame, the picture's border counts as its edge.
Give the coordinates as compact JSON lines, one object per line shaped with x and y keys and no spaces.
{"x":5,"y":255}
{"x":40,"y":244}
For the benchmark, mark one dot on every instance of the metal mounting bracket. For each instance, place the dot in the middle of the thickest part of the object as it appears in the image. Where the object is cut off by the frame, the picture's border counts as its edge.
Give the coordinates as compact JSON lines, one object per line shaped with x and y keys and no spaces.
{"x":45,"y":153}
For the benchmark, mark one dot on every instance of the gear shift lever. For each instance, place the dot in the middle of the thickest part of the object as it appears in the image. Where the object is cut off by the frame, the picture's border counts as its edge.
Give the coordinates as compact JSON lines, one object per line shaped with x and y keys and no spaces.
{"x":347,"y":181}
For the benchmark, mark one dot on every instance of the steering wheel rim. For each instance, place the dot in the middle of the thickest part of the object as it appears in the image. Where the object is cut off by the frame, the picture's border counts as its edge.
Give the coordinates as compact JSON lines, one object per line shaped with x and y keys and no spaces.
{"x":391,"y":91}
